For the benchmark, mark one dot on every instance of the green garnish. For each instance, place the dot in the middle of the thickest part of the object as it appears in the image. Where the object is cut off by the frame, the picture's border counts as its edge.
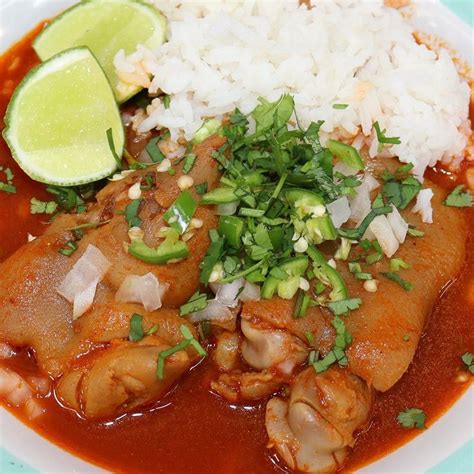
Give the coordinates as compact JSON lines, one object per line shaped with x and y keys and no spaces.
{"x":397,"y":263}
{"x":401,"y":193}
{"x":344,"y":306}
{"x":197,"y":302}
{"x":110,"y":140}
{"x":346,"y":153}
{"x":189,"y":161}
{"x":136,"y":328}
{"x":69,"y":248}
{"x":201,"y":188}
{"x":458,"y":198}
{"x":382,"y":139}
{"x":131,"y":213}
{"x":7,"y":187}
{"x":415,"y":232}
{"x":188,"y":340}
{"x":356,"y":234}
{"x":302,"y":304}
{"x":166,"y":101}
{"x":468,"y":360}
{"x":309,"y":337}
{"x":154,"y":151}
{"x":406,"y":285}
{"x":212,"y":257}
{"x":181,"y":212}
{"x":340,"y":106}
{"x":42,"y":207}
{"x":412,"y":418}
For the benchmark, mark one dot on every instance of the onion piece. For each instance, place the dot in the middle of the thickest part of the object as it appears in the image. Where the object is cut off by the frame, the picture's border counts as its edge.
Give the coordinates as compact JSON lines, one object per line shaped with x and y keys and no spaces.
{"x":227,"y":209}
{"x":344,"y":169}
{"x":360,"y":204}
{"x":340,"y":211}
{"x":6,"y":351}
{"x":80,"y":284}
{"x":216,"y":313}
{"x":383,"y":232}
{"x":251,"y":292}
{"x":34,"y":409}
{"x":228,"y":293}
{"x":146,"y":290}
{"x":398,"y":224}
{"x":41,"y":385}
{"x":423,"y":205}
{"x":371,"y":183}
{"x":14,"y":388}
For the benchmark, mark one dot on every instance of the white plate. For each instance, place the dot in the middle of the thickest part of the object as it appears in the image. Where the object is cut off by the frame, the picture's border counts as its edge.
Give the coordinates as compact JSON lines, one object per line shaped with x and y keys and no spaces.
{"x":443,"y":448}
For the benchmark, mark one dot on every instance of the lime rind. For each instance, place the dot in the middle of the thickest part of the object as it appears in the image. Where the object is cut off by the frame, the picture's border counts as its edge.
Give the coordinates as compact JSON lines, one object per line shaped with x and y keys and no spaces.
{"x":34,"y":136}
{"x":105,"y":27}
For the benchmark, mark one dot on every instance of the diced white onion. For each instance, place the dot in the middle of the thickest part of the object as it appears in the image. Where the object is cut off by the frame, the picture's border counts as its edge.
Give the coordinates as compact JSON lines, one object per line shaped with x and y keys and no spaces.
{"x":340,"y":211}
{"x":251,"y":292}
{"x":146,"y":290}
{"x":341,"y":167}
{"x":34,"y":409}
{"x":228,"y":293}
{"x":15,"y":390}
{"x":360,"y":204}
{"x":80,"y":284}
{"x":227,"y":209}
{"x":41,"y":385}
{"x":6,"y":351}
{"x":216,"y":313}
{"x":370,"y":182}
{"x":383,"y":232}
{"x":423,"y":205}
{"x":134,"y":192}
{"x":398,"y":224}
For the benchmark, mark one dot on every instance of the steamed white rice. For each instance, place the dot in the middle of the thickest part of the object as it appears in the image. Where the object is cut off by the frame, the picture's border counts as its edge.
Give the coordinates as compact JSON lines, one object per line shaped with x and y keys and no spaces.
{"x":222,"y":55}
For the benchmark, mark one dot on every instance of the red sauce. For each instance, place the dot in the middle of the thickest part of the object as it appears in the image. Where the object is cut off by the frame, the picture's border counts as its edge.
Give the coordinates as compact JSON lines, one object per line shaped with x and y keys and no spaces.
{"x":194,"y":431}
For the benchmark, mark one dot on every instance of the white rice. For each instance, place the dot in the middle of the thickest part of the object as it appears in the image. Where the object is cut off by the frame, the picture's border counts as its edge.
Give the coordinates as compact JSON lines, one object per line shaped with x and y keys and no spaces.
{"x":222,"y":55}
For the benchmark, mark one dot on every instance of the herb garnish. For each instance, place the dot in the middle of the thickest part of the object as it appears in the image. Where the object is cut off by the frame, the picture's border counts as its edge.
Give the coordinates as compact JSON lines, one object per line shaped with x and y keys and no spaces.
{"x":458,"y":198}
{"x":136,"y":328}
{"x":189,"y":161}
{"x":110,"y":140}
{"x":340,"y":106}
{"x":70,"y":247}
{"x":197,"y":302}
{"x":468,"y":360}
{"x":382,"y":139}
{"x":42,"y":207}
{"x":406,"y":285}
{"x":131,"y":213}
{"x":7,"y":187}
{"x":412,"y":418}
{"x":188,"y":340}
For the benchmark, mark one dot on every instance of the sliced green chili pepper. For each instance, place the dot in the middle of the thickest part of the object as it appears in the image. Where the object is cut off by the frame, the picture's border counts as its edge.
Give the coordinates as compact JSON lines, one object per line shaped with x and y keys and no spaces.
{"x":324,"y":271}
{"x":220,"y":196}
{"x":181,"y":212}
{"x":231,"y":227}
{"x":170,"y":249}
{"x":346,"y":153}
{"x":287,"y":288}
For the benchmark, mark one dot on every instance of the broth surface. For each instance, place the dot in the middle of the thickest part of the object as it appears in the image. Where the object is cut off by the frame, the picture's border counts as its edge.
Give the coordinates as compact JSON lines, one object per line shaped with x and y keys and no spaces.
{"x":192,"y":430}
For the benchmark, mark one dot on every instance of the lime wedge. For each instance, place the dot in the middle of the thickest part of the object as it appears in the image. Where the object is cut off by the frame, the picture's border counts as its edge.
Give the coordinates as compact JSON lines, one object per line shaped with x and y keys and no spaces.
{"x":57,"y":121}
{"x":105,"y":27}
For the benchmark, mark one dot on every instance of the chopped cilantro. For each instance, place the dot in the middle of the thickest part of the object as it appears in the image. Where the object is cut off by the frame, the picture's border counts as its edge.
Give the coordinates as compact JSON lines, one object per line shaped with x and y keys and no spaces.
{"x":406,"y":285}
{"x":110,"y":140}
{"x":136,"y":328}
{"x":131,"y":213}
{"x":69,"y":248}
{"x":401,"y":193}
{"x":201,"y":188}
{"x":397,"y":263}
{"x":468,"y":360}
{"x":340,"y":106}
{"x":412,"y":418}
{"x":414,"y":232}
{"x":189,"y":161}
{"x":382,"y":139}
{"x":7,"y":188}
{"x":42,"y":207}
{"x":458,"y":198}
{"x":197,"y":302}
{"x":344,"y":306}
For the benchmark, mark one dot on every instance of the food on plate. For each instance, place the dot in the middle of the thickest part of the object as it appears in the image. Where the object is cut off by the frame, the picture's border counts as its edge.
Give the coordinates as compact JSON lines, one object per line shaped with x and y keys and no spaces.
{"x":256,"y":239}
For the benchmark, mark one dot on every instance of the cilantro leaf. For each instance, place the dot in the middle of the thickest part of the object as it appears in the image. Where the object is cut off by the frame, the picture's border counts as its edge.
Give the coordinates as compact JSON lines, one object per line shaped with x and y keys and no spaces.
{"x":468,"y":360}
{"x":344,"y":306}
{"x":197,"y":302}
{"x":458,"y":198}
{"x":275,"y":113}
{"x":189,"y":163}
{"x":406,"y":285}
{"x":136,"y":328}
{"x":7,"y":188}
{"x":383,"y":139}
{"x":131,"y":213}
{"x":412,"y":418}
{"x":42,"y":207}
{"x":401,"y":193}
